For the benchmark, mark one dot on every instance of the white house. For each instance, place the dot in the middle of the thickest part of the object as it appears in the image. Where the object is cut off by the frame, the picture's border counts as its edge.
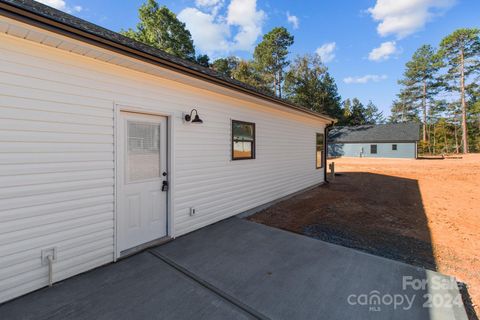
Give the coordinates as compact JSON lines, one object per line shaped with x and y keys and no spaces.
{"x":98,"y":161}
{"x":391,"y":140}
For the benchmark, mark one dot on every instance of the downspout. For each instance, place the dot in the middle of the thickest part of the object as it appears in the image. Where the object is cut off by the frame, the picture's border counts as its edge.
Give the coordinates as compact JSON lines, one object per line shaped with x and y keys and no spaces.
{"x":325,"y":152}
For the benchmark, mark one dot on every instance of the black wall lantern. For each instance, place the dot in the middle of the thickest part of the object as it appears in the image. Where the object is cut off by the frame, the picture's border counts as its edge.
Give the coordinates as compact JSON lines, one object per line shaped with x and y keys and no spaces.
{"x":196,"y":119}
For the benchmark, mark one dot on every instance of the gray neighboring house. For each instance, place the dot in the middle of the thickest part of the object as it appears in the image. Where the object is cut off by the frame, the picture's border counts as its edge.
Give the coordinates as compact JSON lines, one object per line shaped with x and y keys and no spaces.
{"x":397,"y":140}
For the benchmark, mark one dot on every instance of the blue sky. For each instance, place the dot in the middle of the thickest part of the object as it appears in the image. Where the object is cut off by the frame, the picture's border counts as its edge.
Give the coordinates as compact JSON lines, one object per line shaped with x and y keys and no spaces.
{"x":365,"y":43}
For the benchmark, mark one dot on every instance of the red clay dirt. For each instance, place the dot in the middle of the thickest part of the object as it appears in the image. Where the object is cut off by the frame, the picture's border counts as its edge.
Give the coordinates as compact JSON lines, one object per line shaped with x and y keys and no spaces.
{"x":422,"y":212}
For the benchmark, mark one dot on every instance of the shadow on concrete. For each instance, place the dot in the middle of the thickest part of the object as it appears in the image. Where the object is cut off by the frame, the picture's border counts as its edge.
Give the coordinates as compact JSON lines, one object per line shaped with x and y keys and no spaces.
{"x":282,"y":275}
{"x":393,"y":224}
{"x":377,"y":214}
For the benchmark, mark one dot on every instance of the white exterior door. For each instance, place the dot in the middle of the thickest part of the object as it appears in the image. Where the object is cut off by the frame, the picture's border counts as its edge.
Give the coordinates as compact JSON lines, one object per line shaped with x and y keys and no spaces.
{"x":142,"y":170}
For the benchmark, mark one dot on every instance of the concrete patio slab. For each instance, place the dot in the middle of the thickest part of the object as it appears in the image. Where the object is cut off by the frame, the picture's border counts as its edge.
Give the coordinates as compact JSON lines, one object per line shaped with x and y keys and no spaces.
{"x":288,"y":276}
{"x":238,"y":269}
{"x":139,"y":287}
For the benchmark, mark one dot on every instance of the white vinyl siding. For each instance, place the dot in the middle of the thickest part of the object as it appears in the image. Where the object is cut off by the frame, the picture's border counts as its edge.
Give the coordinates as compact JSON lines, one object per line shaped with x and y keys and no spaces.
{"x":57,"y":157}
{"x":207,"y":179}
{"x":56,"y":173}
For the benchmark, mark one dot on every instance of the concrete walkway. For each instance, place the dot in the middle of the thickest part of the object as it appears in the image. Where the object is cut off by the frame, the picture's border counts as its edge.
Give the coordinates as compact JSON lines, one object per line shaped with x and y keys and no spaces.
{"x":238,"y":269}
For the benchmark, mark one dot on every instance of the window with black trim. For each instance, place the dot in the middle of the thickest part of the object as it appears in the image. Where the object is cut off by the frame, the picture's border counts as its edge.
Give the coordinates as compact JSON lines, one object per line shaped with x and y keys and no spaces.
{"x":243,"y":140}
{"x":319,"y":150}
{"x":394,"y":147}
{"x":373,"y":149}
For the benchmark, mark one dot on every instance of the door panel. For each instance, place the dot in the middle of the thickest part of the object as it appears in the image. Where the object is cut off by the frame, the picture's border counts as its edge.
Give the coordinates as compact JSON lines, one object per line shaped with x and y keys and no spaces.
{"x":156,"y":205}
{"x":142,"y":159}
{"x":133,"y":211}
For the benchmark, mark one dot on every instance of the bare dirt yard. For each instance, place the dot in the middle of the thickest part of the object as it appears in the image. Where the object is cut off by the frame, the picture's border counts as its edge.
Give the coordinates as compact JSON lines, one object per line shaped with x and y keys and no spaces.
{"x":422,"y":212}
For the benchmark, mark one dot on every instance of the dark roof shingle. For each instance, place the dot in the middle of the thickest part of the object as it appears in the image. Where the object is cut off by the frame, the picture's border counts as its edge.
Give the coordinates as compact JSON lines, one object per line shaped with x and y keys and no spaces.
{"x":69,"y":21}
{"x":376,"y":133}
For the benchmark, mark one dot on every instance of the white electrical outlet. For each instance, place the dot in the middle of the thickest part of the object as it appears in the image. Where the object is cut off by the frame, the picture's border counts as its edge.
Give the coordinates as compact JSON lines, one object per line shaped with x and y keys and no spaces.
{"x":49,"y":252}
{"x":192,"y":211}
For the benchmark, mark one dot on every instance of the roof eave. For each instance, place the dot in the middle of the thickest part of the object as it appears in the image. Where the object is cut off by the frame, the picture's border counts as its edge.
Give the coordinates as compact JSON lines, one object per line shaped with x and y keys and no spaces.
{"x":17,"y":12}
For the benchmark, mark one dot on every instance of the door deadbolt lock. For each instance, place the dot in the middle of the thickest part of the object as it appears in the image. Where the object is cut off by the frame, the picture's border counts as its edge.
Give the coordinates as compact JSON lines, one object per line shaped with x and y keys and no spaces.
{"x":165,"y":186}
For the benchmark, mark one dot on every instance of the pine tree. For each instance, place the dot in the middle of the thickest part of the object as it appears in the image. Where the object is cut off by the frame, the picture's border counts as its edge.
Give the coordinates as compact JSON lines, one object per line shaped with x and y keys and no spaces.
{"x":270,"y":57}
{"x":330,"y":98}
{"x":357,"y":116}
{"x":203,"y":60}
{"x":309,"y":84}
{"x":373,"y":115}
{"x":246,"y":72}
{"x":403,"y":109}
{"x":225,"y":66}
{"x":160,"y":28}
{"x":420,"y":80}
{"x":473,"y":119}
{"x":347,"y":109}
{"x":460,"y":51}
{"x":434,"y":126}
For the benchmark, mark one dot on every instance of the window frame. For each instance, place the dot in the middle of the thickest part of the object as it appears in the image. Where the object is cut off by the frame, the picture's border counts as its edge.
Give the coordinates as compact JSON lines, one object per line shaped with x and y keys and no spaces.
{"x":322,"y":161}
{"x":394,"y":147}
{"x":253,"y":141}
{"x":376,"y":149}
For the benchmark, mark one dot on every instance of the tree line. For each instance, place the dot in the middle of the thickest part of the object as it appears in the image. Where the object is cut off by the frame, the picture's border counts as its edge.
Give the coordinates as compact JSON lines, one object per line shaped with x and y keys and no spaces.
{"x":305,"y":81}
{"x":440,"y":89}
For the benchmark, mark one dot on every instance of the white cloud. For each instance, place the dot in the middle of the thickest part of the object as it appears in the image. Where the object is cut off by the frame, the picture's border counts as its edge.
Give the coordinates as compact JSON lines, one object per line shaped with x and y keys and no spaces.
{"x":61,"y":5}
{"x":383,"y":52}
{"x":57,"y":4}
{"x":365,"y":79}
{"x":207,"y":3}
{"x":211,"y":5}
{"x":244,"y":15}
{"x":209,"y":35}
{"x":327,"y":51}
{"x":405,"y":17}
{"x":238,"y":28}
{"x":293,"y":20}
